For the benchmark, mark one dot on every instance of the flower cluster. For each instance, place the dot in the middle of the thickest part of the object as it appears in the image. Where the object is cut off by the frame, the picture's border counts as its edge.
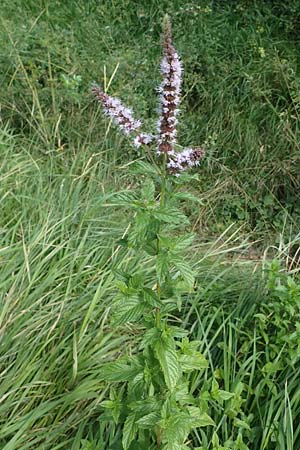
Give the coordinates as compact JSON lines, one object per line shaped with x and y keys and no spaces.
{"x":169,"y":92}
{"x":121,"y":115}
{"x":189,"y":157}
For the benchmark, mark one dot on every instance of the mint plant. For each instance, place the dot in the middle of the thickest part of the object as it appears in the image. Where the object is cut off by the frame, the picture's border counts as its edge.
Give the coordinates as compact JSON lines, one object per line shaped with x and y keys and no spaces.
{"x":150,"y":394}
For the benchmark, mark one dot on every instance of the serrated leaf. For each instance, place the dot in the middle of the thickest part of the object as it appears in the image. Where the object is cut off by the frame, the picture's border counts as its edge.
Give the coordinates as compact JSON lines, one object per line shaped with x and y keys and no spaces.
{"x":151,"y":298}
{"x":122,"y":286}
{"x":115,"y":408}
{"x":162,"y":266}
{"x":241,"y":424}
{"x":176,"y":428}
{"x":224,"y":395}
{"x":146,"y":406}
{"x":185,"y":270}
{"x":187,"y":196}
{"x":198,"y":418}
{"x":143,"y":167}
{"x":148,"y":190}
{"x":129,"y":309}
{"x":121,"y":198}
{"x":192,"y":362}
{"x":166,"y":354}
{"x":175,"y":446}
{"x":129,"y":431}
{"x":169,"y":215}
{"x":184,"y":242}
{"x":150,"y":337}
{"x":118,"y":371}
{"x":149,"y":420}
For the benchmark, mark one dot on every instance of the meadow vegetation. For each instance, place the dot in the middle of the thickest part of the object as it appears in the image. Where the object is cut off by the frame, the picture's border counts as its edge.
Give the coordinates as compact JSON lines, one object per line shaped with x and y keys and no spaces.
{"x":62,"y":226}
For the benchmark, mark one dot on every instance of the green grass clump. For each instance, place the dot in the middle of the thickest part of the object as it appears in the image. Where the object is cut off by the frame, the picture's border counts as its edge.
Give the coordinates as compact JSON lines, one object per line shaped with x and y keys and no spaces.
{"x":56,"y":251}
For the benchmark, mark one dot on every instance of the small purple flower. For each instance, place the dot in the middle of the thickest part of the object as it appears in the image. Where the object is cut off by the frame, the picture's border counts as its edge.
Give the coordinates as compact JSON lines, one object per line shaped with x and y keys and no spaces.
{"x":143,"y":139}
{"x":121,"y":115}
{"x":189,"y":157}
{"x":169,"y":91}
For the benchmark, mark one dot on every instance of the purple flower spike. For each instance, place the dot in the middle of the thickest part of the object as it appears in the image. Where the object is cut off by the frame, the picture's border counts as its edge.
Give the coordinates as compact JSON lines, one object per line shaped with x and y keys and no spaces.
{"x":121,"y":115}
{"x":143,"y":139}
{"x":190,"y":157}
{"x":169,"y":93}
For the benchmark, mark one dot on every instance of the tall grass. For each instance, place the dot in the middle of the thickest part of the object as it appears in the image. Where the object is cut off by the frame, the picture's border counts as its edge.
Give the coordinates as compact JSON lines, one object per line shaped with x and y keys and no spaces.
{"x":56,"y":250}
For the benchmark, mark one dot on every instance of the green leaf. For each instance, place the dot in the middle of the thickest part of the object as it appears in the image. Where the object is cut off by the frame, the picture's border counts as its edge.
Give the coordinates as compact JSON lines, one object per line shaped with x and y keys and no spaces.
{"x":128,"y":309}
{"x":169,"y":215}
{"x":162,"y":266}
{"x":151,"y":298}
{"x":148,"y":191}
{"x":185,"y":270}
{"x":150,"y":337}
{"x":175,"y":446}
{"x":121,"y":198}
{"x":144,"y":168}
{"x":119,"y":371}
{"x":166,"y":354}
{"x":129,"y":431}
{"x":187,"y":196}
{"x":241,"y":424}
{"x":176,"y":428}
{"x":192,"y":362}
{"x":198,"y":418}
{"x":223,"y":395}
{"x":115,"y":407}
{"x":150,"y":420}
{"x":183,"y":242}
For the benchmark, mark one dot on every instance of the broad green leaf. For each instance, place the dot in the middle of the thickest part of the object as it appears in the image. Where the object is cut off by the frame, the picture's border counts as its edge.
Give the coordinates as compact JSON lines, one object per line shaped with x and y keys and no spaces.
{"x":183,"y":242}
{"x":145,"y":406}
{"x":129,"y":431}
{"x":169,"y":215}
{"x":150,"y":337}
{"x":215,"y":440}
{"x":198,"y":418}
{"x":128,"y":309}
{"x":148,"y":190}
{"x":241,"y":424}
{"x":118,"y":371}
{"x":224,"y":395}
{"x":115,"y":406}
{"x":175,"y":446}
{"x":151,"y":297}
{"x":176,"y":428}
{"x":192,"y":362}
{"x":185,"y":270}
{"x":150,"y":420}
{"x":166,"y":354}
{"x":143,"y":168}
{"x":187,"y":196}
{"x":162,"y":266}
{"x":121,"y":198}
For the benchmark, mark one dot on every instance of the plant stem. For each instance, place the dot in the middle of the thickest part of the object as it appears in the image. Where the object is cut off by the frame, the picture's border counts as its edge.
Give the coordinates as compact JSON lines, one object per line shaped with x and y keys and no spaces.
{"x":162,"y":204}
{"x":163,"y":181}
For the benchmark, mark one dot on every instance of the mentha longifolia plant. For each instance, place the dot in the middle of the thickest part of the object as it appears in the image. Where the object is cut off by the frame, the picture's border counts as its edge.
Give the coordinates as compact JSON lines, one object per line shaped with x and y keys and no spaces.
{"x":151,"y":398}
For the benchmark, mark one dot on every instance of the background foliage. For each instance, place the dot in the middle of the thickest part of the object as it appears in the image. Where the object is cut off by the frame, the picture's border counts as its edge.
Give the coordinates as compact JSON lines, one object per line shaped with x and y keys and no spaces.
{"x":59,"y":162}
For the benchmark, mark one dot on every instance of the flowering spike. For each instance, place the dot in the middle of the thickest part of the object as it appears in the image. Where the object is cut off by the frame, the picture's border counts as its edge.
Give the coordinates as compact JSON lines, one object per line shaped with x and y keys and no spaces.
{"x":143,"y":139}
{"x":169,"y":92}
{"x":121,"y":115}
{"x":189,"y":157}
